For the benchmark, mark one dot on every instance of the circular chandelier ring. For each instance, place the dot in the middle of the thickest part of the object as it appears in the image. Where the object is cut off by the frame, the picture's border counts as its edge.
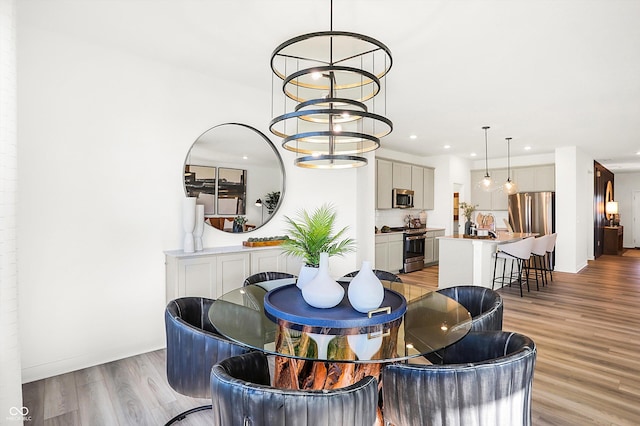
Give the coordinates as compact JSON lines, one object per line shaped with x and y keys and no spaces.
{"x":379,"y":46}
{"x":355,"y":139}
{"x":314,"y":161}
{"x":370,"y":79}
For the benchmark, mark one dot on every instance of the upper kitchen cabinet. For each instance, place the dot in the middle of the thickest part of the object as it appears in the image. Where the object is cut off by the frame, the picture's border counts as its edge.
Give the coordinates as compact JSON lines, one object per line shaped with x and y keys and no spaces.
{"x":391,"y":174}
{"x":402,"y":175}
{"x":429,"y":188}
{"x":384,"y":183}
{"x":417,"y":186}
{"x":536,"y":178}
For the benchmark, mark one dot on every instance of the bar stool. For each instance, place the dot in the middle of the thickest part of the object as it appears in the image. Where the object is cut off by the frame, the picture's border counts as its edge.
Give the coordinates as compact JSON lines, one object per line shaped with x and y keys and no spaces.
{"x":551,"y":247}
{"x":538,"y":253}
{"x":519,"y":252}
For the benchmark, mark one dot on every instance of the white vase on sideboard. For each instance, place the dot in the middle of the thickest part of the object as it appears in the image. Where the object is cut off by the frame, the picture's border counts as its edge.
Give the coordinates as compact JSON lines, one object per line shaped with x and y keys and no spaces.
{"x":189,"y":223}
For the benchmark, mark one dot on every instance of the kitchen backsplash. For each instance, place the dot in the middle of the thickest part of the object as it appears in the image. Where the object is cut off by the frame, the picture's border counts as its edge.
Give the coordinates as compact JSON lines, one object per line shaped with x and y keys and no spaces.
{"x":395,"y":217}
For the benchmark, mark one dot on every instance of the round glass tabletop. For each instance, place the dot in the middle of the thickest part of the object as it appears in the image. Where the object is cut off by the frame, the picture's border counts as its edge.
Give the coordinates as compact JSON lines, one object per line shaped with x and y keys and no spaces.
{"x":431,"y":321}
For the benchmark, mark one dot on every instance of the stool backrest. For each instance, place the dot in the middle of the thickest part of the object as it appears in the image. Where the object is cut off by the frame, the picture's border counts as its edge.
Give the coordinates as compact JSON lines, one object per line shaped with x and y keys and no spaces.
{"x":540,"y":245}
{"x":520,"y":249}
{"x":552,"y":242}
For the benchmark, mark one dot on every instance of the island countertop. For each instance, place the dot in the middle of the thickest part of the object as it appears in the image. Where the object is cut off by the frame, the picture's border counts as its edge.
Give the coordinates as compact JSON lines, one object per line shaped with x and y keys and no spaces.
{"x":471,"y":261}
{"x":503,"y":237}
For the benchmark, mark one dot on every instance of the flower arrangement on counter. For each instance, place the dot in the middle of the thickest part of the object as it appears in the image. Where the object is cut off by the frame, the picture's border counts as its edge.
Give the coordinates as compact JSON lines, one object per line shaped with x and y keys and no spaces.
{"x":467,"y":210}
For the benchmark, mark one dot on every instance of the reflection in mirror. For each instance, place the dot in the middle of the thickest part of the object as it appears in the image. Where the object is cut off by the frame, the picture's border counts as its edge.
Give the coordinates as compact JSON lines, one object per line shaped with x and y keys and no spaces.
{"x":232,"y":191}
{"x":229,"y":167}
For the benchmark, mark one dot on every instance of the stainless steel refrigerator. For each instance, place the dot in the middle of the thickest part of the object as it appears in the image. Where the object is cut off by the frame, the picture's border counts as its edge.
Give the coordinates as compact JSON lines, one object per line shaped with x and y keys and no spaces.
{"x":533,"y":212}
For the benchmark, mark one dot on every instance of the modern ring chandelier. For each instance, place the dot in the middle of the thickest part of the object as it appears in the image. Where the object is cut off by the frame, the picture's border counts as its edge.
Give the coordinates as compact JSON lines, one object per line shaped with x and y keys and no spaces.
{"x":329,"y":81}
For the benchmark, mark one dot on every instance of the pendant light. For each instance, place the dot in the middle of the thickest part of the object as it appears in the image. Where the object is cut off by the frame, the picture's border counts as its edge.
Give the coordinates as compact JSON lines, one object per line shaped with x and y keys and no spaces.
{"x":509,"y":186}
{"x":329,"y":80}
{"x":486,"y":183}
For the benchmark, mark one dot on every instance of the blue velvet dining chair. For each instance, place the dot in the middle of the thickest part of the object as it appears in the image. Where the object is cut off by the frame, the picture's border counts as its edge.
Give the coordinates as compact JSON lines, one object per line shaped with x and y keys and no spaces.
{"x":486,"y":380}
{"x":193,"y":347}
{"x":241,"y":395}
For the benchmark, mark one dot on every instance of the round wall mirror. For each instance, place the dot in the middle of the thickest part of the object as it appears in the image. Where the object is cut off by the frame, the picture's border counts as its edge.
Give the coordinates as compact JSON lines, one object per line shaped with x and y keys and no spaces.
{"x":237,"y":173}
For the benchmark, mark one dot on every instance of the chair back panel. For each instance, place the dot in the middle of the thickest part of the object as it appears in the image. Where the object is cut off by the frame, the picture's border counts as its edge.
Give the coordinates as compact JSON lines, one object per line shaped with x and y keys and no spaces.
{"x":241,"y":395}
{"x":489,"y":392}
{"x":484,"y":305}
{"x":193,"y":346}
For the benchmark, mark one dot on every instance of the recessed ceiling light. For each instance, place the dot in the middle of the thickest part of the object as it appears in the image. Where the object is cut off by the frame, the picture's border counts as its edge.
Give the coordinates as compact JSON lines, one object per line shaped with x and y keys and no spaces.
{"x":473,"y":154}
{"x":447,"y":146}
{"x":244,"y":157}
{"x":527,"y":148}
{"x":638,"y":153}
{"x":413,"y":137}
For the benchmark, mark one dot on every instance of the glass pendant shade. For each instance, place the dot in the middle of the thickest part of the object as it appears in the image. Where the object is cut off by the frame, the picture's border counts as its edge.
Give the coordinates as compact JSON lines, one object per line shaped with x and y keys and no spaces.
{"x":329,"y":80}
{"x":486,"y":184}
{"x":509,"y":186}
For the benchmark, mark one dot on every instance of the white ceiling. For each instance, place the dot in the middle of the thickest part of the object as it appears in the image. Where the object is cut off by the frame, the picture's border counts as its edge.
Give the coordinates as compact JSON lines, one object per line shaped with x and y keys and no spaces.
{"x":547,"y":73}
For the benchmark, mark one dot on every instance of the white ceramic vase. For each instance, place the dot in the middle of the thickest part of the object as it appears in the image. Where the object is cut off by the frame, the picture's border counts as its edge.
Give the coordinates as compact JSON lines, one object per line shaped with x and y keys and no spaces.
{"x":323,"y":291}
{"x":189,"y":223}
{"x":365,"y":290}
{"x":199,"y":228}
{"x":306,"y":275}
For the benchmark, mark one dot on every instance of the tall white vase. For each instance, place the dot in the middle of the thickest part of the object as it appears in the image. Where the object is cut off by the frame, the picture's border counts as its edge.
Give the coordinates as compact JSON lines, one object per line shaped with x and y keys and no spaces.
{"x":199,"y":228}
{"x":306,"y":275}
{"x":365,"y":290}
{"x":323,"y":291}
{"x":189,"y":223}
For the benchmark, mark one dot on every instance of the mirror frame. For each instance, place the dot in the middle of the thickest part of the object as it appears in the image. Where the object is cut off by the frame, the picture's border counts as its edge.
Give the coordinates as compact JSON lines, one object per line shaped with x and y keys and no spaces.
{"x":277,"y":155}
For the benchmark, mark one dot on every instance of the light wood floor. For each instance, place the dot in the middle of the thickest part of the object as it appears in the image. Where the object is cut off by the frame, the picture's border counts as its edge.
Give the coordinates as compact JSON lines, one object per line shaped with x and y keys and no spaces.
{"x":586,"y":327}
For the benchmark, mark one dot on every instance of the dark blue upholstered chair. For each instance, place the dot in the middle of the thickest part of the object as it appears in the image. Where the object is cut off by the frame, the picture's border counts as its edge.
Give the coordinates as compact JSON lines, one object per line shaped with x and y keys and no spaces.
{"x":382,"y":275}
{"x":485,"y":380}
{"x":193,"y":347}
{"x":484,"y":305}
{"x":266,"y":276}
{"x":241,"y":395}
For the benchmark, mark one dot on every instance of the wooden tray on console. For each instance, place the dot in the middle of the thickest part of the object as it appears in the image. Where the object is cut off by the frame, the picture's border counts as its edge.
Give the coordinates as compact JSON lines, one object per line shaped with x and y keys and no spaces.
{"x":262,"y":243}
{"x":476,"y":237}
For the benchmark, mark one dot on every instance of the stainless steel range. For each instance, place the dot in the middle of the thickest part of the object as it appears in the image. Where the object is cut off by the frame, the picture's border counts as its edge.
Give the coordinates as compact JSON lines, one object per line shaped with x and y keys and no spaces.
{"x":413,"y":252}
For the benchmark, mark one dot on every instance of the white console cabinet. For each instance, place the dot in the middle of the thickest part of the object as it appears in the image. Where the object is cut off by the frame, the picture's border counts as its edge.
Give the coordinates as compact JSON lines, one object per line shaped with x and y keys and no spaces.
{"x":215,"y":271}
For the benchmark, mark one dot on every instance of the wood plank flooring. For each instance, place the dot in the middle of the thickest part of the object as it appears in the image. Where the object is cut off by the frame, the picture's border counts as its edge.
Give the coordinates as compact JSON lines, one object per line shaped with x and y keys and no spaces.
{"x":586,"y":327}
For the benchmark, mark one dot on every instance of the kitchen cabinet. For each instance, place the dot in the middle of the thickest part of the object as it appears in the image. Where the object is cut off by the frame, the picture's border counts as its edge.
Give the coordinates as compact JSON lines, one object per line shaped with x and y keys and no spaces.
{"x":384,"y":184}
{"x":429,"y":188}
{"x":431,"y":247}
{"x":417,"y":186}
{"x":391,"y":174}
{"x":389,"y":249}
{"x":213,"y":272}
{"x":402,"y":175}
{"x":527,"y":179}
{"x":535,"y":178}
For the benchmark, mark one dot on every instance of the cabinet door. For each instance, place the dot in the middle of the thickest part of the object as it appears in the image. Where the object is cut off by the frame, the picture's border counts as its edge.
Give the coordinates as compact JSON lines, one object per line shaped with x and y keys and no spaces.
{"x":232,"y":269}
{"x":545,"y":178}
{"x":499,"y":199}
{"x":197,"y":277}
{"x":479,"y":197}
{"x":382,"y":253}
{"x":417,"y":186}
{"x":428,"y":250}
{"x":436,"y":245}
{"x":267,"y":261}
{"x":524,"y":177}
{"x":429,"y":189}
{"x":396,"y":249}
{"x":402,"y":175}
{"x":384,"y":184}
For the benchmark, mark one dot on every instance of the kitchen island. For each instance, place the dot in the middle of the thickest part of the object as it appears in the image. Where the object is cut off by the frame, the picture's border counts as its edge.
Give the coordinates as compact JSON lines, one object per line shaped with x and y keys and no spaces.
{"x":470,"y":261}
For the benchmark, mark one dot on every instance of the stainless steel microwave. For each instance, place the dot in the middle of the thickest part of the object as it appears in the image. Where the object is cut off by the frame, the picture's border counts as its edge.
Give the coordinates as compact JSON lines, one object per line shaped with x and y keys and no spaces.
{"x":402,"y":198}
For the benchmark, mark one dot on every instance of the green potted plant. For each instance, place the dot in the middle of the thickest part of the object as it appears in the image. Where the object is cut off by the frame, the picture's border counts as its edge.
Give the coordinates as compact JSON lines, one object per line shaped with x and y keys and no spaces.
{"x":271,"y":201}
{"x":313,"y":233}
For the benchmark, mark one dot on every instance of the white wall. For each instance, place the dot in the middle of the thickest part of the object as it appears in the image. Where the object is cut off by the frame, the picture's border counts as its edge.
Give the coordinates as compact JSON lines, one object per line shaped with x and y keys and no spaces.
{"x":102,"y":140}
{"x":624,"y":187}
{"x":10,"y":388}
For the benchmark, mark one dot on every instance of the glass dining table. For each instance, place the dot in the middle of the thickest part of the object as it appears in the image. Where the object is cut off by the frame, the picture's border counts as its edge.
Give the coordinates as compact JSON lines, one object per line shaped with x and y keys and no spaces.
{"x":312,"y":353}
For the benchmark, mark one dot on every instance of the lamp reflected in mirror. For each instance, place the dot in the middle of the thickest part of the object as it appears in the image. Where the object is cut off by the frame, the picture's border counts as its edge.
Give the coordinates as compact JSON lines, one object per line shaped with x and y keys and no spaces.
{"x":261,"y":205}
